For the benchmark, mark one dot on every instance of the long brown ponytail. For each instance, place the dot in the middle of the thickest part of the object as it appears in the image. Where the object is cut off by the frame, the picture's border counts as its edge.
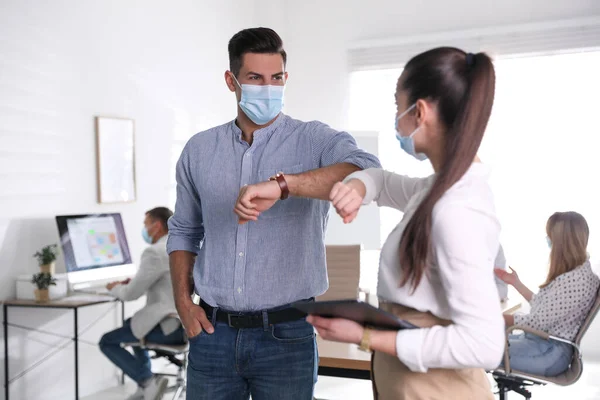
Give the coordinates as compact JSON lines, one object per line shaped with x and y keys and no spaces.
{"x":463,"y":86}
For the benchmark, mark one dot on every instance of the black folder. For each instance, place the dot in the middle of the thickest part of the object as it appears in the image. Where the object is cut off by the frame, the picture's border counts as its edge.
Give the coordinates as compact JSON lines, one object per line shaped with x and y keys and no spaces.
{"x":361,"y":312}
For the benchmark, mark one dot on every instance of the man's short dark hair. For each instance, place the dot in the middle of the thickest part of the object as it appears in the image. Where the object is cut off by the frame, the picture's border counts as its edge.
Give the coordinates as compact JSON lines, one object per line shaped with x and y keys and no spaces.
{"x":161,"y":214}
{"x":254,"y":40}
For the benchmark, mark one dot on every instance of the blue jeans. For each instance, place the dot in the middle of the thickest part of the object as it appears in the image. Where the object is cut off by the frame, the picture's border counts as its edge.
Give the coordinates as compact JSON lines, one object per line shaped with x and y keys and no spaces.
{"x":137,"y":366}
{"x":274,"y":362}
{"x":537,"y":356}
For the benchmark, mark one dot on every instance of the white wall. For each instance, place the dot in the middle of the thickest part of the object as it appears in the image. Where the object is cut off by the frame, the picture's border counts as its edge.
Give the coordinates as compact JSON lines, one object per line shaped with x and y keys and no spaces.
{"x":62,"y":63}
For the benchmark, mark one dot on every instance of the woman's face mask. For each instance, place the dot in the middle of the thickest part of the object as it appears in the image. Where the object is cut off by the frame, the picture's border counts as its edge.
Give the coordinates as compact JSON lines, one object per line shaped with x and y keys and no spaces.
{"x":407,"y":142}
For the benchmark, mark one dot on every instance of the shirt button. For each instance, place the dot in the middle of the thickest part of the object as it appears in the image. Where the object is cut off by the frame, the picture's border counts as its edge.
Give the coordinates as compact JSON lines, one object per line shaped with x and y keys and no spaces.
{"x":241,"y":254}
{"x":239,"y":290}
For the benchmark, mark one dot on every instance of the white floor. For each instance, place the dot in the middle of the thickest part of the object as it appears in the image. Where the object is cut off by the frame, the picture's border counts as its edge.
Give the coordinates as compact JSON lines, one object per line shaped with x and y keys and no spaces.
{"x":588,"y":388}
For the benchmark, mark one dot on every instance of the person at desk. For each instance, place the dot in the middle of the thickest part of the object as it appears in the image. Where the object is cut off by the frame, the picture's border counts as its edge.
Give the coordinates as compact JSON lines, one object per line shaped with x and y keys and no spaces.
{"x":156,"y":321}
{"x":561,"y":305}
{"x":248,"y":266}
{"x":437,"y":265}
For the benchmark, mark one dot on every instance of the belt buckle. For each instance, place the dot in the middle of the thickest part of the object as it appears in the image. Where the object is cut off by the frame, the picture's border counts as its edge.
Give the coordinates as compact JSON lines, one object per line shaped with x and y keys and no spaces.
{"x":229,"y":320}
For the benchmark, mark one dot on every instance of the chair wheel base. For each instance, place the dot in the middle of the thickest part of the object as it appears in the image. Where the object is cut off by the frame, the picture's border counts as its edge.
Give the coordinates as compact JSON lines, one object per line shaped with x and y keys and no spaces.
{"x":506,"y":384}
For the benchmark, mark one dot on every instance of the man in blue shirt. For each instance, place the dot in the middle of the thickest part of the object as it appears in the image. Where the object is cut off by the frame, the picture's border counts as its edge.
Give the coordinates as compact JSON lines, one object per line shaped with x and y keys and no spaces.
{"x":249,"y":222}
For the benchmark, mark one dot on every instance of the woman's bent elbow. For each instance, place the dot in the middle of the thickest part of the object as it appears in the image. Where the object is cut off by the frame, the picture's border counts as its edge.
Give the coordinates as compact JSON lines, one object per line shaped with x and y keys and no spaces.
{"x":493,"y":351}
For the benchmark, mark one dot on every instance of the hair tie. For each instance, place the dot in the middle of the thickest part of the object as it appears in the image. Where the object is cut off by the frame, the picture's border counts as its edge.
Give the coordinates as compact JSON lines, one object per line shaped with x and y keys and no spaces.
{"x":470,"y":59}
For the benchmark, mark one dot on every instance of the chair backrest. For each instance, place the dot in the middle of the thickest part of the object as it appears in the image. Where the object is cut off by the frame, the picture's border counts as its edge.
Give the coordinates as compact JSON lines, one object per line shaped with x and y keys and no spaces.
{"x":575,"y":370}
{"x":343,"y":271}
{"x":588,"y":320}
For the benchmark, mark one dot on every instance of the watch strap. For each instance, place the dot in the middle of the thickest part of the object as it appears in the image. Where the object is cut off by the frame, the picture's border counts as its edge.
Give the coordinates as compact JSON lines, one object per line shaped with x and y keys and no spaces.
{"x":365,"y":342}
{"x":280,"y":179}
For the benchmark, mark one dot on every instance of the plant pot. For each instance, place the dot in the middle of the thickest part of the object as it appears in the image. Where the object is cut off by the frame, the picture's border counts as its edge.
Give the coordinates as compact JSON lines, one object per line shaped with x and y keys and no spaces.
{"x":48,"y":268}
{"x":42,"y":295}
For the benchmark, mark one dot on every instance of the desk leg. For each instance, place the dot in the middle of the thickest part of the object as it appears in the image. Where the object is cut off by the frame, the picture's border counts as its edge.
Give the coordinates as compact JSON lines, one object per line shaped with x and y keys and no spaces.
{"x":122,"y":324}
{"x":76,"y":347}
{"x":6,"y":388}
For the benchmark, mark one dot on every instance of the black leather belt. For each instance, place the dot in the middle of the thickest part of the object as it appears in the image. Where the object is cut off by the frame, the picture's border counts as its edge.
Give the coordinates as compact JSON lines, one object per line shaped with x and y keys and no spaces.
{"x":252,"y":319}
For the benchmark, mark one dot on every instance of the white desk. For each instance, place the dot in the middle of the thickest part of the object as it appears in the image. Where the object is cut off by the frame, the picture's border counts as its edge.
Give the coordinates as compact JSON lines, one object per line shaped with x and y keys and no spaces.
{"x":511,"y":305}
{"x":74,"y":303}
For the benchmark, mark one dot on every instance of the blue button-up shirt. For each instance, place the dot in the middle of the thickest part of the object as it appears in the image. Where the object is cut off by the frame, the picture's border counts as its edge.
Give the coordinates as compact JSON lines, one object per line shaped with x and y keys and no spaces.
{"x":278,"y":259}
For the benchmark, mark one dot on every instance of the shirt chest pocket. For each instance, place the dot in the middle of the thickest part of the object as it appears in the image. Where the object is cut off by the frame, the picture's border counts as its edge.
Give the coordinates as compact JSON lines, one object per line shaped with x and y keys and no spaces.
{"x":292,"y":206}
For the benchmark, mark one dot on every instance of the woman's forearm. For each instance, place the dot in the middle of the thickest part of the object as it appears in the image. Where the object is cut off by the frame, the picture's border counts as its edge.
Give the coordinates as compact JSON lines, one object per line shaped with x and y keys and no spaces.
{"x":509,"y":320}
{"x":384,"y":341}
{"x":524,"y":290}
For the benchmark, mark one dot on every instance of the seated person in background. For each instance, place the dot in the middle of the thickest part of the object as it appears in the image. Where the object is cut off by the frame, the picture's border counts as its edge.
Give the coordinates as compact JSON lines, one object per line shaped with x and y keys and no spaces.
{"x":156,"y":321}
{"x":561,"y":305}
{"x":500,"y":263}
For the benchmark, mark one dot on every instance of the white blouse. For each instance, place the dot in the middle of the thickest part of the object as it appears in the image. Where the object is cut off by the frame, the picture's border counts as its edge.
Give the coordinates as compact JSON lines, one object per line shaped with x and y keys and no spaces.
{"x":561,"y":307}
{"x":459,"y":283}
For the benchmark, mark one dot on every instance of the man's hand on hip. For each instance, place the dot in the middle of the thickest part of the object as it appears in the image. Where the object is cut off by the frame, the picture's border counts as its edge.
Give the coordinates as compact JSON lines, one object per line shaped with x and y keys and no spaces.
{"x":255,"y":199}
{"x":194,"y":320}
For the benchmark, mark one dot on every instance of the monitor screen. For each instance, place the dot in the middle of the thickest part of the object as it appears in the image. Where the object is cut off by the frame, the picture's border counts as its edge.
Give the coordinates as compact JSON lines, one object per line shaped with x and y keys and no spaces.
{"x":93,"y":241}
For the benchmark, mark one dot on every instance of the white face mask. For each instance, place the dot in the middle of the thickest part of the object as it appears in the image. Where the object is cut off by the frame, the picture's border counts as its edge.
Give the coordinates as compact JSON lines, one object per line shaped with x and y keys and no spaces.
{"x":146,"y":236}
{"x":261,"y":103}
{"x":407,"y":143}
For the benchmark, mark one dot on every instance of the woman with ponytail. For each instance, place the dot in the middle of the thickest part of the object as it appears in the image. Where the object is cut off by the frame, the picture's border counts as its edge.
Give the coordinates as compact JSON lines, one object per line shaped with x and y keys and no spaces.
{"x":436,"y":267}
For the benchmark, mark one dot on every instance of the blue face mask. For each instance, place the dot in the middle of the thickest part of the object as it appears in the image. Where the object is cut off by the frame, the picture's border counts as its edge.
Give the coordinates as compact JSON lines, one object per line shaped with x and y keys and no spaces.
{"x":549,"y":242}
{"x":261,"y":103}
{"x":407,"y":142}
{"x":146,"y":235}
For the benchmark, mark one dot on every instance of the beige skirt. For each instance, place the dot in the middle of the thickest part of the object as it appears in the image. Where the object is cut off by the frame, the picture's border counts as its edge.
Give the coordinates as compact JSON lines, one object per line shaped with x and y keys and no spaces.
{"x":392,"y":380}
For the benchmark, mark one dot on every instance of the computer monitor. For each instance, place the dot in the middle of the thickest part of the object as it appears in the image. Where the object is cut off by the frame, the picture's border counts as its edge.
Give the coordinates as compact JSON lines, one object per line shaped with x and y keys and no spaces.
{"x":95,"y":248}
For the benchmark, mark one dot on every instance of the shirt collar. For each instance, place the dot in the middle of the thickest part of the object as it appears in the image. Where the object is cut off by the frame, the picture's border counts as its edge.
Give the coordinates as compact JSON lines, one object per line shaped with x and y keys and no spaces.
{"x":262,"y":134}
{"x":162,"y":239}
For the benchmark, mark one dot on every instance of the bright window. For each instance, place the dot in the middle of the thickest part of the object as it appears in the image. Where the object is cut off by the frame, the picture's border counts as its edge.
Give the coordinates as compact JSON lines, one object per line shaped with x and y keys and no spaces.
{"x":542,"y":144}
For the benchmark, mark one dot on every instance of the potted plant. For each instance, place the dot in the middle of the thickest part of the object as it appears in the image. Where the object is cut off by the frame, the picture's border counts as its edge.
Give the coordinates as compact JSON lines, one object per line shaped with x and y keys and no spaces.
{"x":46,"y":258}
{"x":42,"y":280}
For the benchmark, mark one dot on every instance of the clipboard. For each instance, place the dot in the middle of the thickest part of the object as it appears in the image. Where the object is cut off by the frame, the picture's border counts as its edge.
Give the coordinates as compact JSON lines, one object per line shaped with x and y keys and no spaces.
{"x":354,"y":310}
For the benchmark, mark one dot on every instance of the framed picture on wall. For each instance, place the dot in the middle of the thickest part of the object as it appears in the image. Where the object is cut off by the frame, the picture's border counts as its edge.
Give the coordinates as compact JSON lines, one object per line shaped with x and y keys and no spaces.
{"x":115,"y":157}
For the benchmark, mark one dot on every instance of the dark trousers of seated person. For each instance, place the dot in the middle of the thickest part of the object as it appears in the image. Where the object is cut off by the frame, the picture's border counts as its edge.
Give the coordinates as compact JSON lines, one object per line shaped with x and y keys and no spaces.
{"x":137,"y":366}
{"x":273,"y":362}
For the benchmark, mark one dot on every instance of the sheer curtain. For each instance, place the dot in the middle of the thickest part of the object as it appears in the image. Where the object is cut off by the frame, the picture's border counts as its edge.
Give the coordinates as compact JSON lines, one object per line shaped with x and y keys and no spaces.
{"x":541,"y":142}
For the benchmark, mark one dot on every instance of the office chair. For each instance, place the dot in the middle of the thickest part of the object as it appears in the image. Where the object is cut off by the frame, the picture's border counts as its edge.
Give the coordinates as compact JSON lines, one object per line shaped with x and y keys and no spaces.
{"x":343,"y":272}
{"x":175,"y":354}
{"x":509,"y":379}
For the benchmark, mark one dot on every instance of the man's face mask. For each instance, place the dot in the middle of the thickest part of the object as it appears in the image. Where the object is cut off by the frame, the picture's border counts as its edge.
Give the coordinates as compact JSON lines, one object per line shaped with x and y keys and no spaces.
{"x":261,"y":103}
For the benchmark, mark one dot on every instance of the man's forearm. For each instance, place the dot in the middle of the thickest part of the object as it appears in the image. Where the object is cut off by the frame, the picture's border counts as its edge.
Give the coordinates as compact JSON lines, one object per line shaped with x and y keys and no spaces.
{"x":317,"y":184}
{"x":182,"y":264}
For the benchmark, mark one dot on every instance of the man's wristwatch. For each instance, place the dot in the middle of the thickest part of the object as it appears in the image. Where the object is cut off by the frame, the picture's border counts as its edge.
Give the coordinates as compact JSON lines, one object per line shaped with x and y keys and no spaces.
{"x":195,"y":298}
{"x":280,"y":179}
{"x":365,"y":342}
